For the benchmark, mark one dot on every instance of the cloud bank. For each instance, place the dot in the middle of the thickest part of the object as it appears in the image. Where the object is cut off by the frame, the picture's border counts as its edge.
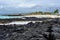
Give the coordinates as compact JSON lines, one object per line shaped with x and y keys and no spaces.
{"x":28,"y":3}
{"x":9,"y":4}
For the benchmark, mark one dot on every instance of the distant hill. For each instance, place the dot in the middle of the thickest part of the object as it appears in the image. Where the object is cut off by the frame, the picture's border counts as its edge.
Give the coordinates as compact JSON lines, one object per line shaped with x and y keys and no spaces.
{"x":13,"y":15}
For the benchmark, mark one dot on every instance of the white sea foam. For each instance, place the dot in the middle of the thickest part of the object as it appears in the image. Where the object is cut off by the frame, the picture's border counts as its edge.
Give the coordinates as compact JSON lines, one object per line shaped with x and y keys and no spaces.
{"x":19,"y":22}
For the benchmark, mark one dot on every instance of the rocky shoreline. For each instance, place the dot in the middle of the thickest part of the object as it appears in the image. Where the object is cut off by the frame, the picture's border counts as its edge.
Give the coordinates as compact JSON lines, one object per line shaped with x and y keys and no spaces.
{"x":24,"y":19}
{"x":30,"y":31}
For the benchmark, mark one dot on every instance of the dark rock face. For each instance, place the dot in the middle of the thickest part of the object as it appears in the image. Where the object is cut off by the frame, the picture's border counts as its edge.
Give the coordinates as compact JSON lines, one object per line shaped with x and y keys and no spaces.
{"x":30,"y":31}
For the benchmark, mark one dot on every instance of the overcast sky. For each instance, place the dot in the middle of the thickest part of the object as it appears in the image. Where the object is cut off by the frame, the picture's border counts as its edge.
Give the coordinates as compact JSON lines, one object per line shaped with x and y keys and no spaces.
{"x":28,"y":3}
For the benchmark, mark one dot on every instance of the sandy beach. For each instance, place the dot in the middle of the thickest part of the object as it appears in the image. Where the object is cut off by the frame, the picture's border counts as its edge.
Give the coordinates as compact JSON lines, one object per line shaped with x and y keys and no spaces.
{"x":43,"y":16}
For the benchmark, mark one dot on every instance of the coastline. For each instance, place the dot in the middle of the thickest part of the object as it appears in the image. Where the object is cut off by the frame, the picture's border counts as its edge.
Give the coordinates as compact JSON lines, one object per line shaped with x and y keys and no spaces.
{"x":28,"y":18}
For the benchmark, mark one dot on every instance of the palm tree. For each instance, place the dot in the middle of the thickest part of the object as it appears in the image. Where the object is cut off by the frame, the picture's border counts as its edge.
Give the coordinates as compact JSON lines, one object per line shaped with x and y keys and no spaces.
{"x":56,"y":11}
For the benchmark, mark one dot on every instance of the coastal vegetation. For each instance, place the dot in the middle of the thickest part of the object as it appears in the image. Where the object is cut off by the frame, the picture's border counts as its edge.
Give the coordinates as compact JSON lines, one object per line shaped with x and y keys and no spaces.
{"x":39,"y":13}
{"x":55,"y":12}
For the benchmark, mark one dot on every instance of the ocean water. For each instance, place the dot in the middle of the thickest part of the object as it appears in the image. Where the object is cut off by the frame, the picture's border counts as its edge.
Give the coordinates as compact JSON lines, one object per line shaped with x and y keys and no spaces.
{"x":8,"y":17}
